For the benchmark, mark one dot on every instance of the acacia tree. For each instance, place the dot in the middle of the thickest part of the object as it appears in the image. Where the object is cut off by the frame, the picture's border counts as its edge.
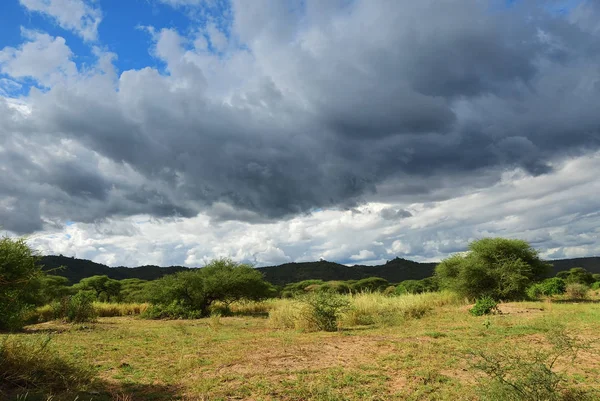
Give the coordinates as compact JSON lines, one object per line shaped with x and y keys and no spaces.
{"x":497,"y":267}
{"x":104,"y":288}
{"x":20,"y":276}
{"x":221,"y":280}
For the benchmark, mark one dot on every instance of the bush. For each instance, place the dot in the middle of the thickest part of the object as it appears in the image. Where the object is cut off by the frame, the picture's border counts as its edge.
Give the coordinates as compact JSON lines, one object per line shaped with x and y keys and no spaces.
{"x":20,"y":277}
{"x":484,"y":306}
{"x":548,"y":287}
{"x":577,"y":275}
{"x":172,"y":311}
{"x":496,"y":267}
{"x":33,"y":364}
{"x":78,"y":308}
{"x":526,"y":374}
{"x":371,"y":284}
{"x":577,"y":291}
{"x":596,"y":286}
{"x":324,"y":309}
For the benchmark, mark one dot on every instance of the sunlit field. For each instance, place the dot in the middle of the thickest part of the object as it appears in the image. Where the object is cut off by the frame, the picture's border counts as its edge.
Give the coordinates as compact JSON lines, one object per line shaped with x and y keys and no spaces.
{"x":412,"y":347}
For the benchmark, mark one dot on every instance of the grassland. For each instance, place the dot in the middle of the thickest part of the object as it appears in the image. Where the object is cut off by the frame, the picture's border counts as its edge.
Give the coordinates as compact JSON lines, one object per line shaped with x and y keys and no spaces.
{"x":376,"y":355}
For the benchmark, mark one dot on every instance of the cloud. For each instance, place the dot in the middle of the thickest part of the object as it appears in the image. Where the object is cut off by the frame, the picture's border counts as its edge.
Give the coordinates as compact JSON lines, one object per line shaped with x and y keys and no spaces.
{"x":42,"y":57}
{"x":79,"y":16}
{"x":316,"y":110}
{"x":557,"y":213}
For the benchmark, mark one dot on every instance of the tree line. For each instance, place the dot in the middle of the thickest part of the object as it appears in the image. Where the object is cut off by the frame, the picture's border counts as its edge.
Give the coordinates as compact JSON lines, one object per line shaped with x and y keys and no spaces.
{"x":498,"y":268}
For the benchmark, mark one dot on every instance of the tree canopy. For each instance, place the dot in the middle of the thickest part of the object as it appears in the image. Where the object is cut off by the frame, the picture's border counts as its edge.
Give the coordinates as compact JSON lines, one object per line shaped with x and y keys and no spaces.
{"x":20,"y":277}
{"x":497,"y":267}
{"x":221,"y":280}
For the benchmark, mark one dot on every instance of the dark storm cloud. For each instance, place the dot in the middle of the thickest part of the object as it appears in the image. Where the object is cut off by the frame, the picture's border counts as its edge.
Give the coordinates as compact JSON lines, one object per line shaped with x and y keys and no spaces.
{"x":421,"y":93}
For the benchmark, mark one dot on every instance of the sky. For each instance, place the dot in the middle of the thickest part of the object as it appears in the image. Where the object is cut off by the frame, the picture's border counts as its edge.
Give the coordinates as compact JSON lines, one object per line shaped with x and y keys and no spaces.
{"x":173,"y":132}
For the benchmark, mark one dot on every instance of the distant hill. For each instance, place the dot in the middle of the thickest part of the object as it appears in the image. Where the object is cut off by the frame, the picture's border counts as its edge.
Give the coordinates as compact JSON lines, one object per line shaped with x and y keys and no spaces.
{"x":394,"y":271}
{"x":76,"y":269}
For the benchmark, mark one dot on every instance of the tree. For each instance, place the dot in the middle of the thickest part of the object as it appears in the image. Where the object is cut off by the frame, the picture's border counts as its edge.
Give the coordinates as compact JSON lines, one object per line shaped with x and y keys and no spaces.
{"x":104,"y":288}
{"x":221,"y":280}
{"x":20,"y":277}
{"x":497,"y":267}
{"x":577,"y":275}
{"x":53,"y":288}
{"x":370,"y":284}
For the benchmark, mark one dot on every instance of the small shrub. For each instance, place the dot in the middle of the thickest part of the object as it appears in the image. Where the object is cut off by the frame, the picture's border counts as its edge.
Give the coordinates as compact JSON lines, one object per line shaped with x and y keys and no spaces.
{"x":596,"y":286}
{"x":526,"y":374}
{"x":78,"y":308}
{"x":32,"y":363}
{"x":576,"y":291}
{"x":547,"y":288}
{"x":171,"y":311}
{"x":323,"y":309}
{"x":484,"y":306}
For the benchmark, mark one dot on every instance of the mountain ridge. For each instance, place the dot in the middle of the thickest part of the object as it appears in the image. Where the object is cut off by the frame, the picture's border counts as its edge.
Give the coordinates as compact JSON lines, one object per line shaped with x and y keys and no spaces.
{"x":395,"y":270}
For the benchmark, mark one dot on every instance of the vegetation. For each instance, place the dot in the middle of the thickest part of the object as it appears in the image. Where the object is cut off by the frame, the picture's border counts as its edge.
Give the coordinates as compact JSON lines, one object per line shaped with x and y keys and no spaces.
{"x":531,"y":374}
{"x":191,"y":293}
{"x":547,"y":288}
{"x":484,"y":306}
{"x":33,"y":363}
{"x":78,"y":308}
{"x":495,"y":267}
{"x":403,"y":339}
{"x":20,"y":280}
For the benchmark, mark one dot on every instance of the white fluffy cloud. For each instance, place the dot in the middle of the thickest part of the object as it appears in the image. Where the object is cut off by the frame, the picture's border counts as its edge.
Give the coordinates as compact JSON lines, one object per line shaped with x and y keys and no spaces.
{"x":42,"y":57}
{"x":79,"y":16}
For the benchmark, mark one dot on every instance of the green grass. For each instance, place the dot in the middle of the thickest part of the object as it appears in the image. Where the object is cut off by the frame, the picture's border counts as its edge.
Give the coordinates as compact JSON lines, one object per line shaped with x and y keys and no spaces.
{"x":416,"y":357}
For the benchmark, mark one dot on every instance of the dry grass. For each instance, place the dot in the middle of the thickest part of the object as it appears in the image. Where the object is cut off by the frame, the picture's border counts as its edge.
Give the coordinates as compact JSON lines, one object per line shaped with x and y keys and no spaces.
{"x":365,"y":309}
{"x":222,"y":358}
{"x":105,"y":309}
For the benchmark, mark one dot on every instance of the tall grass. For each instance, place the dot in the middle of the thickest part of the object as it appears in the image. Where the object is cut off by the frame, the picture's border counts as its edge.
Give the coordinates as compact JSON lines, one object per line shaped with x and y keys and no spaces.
{"x":365,"y":309}
{"x":105,"y":309}
{"x":32,"y":364}
{"x":48,"y":312}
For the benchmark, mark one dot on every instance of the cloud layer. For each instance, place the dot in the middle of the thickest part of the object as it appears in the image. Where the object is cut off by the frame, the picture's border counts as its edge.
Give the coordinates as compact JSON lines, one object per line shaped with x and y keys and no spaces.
{"x":275,"y":115}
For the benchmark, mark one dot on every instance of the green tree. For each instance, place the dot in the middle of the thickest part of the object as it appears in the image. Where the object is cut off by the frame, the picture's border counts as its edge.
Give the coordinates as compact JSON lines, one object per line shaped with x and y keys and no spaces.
{"x":104,"y":288}
{"x":20,"y":276}
{"x":497,"y":267}
{"x":221,"y":280}
{"x":370,"y":284}
{"x":133,"y":290}
{"x":53,"y":288}
{"x":577,"y":275}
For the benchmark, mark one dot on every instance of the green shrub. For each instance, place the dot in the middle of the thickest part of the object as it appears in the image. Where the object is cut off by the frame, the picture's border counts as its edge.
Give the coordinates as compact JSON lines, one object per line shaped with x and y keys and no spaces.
{"x":78,"y":308}
{"x":548,"y":287}
{"x":20,"y":281}
{"x":530,"y":374}
{"x":32,"y":364}
{"x":371,"y":284}
{"x":484,"y":306}
{"x":577,"y":291}
{"x":173,"y":310}
{"x":324,"y":309}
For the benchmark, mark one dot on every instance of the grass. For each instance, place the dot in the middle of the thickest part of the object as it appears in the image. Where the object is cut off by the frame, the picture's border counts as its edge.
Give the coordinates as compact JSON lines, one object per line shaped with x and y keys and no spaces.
{"x":103,"y":309}
{"x":365,"y":309}
{"x":421,"y":356}
{"x":32,"y":363}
